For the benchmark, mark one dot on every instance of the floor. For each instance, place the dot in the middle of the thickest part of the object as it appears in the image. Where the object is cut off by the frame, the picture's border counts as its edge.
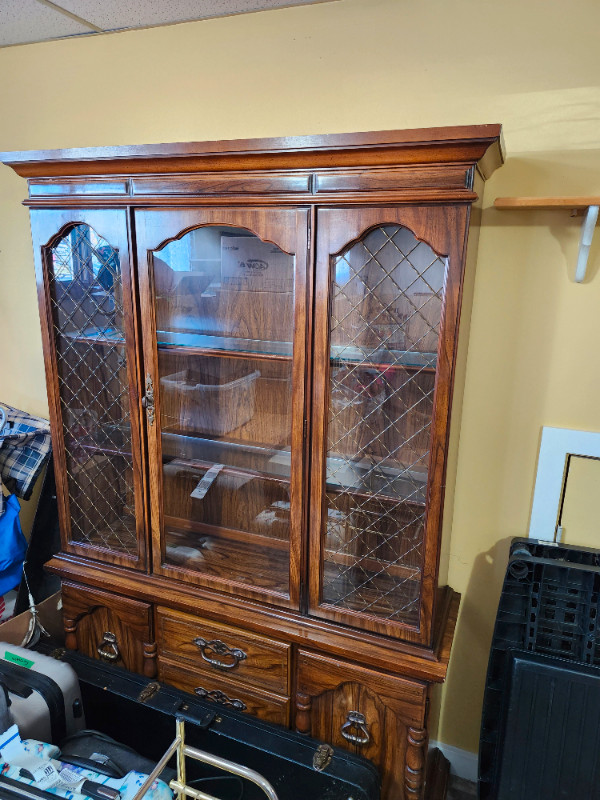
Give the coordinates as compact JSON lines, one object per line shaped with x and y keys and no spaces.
{"x":461,"y":790}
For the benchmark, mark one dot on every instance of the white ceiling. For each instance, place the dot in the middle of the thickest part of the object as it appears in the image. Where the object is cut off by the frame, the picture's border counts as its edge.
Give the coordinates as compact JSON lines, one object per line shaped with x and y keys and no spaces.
{"x":26,"y":21}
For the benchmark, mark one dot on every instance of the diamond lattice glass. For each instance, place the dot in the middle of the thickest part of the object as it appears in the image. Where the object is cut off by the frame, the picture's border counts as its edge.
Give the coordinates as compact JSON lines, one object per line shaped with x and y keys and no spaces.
{"x":87,"y":309}
{"x":385,"y":317}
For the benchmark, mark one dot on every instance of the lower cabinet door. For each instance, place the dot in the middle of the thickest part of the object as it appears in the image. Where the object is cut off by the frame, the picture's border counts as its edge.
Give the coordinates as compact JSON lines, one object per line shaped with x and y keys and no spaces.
{"x":109,"y":627}
{"x":379,"y":716}
{"x":223,"y":691}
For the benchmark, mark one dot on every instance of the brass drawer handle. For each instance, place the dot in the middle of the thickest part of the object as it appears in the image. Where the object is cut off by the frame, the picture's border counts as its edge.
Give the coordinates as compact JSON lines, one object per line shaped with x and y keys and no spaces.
{"x":232,"y":655}
{"x":108,"y":649}
{"x":357,"y":721}
{"x":220,"y":697}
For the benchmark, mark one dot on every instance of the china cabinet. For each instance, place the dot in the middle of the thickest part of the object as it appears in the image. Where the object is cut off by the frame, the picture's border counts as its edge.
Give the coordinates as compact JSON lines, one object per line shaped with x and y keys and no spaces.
{"x":252,"y":355}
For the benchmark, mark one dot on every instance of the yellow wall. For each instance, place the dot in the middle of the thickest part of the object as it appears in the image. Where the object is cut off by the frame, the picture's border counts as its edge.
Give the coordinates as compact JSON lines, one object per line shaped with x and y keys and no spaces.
{"x":365,"y":65}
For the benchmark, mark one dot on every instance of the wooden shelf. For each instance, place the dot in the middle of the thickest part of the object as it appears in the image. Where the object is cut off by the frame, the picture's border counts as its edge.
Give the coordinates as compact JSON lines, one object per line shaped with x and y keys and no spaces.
{"x":202,"y":529}
{"x":587,"y":205}
{"x":373,"y":565}
{"x":579,"y":203}
{"x":231,"y":559}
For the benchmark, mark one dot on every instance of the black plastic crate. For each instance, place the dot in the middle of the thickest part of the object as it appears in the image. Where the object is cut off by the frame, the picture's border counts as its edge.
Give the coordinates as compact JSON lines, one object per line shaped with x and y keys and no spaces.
{"x":548,"y":607}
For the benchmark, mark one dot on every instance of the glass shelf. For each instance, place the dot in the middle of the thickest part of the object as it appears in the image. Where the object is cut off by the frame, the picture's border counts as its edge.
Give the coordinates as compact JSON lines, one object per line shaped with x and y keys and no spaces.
{"x":227,"y":344}
{"x":381,"y":357}
{"x":358,"y":477}
{"x":368,"y":478}
{"x":268,"y":461}
{"x":95,"y":335}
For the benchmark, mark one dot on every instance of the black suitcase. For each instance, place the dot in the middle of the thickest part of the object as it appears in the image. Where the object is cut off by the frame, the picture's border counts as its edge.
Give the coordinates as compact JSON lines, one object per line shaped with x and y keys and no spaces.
{"x":121,"y":704}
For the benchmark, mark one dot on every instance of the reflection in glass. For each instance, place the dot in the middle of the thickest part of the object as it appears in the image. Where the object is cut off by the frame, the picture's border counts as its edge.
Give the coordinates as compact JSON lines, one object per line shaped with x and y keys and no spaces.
{"x":385,"y":317}
{"x":224,"y":288}
{"x":87,"y":310}
{"x":224,"y":309}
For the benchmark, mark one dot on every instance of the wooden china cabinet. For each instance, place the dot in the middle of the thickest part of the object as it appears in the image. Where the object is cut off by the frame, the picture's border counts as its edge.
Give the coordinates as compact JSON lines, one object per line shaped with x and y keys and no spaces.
{"x":252,"y":352}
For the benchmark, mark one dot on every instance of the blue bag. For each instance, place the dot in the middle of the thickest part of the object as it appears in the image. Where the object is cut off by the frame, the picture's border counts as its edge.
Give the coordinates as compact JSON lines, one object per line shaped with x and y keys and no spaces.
{"x":13,"y":545}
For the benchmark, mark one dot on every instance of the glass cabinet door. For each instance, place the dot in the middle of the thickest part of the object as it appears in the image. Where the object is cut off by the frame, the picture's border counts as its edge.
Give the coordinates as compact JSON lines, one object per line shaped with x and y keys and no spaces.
{"x":380,"y":294}
{"x":91,"y":363}
{"x":225,"y":293}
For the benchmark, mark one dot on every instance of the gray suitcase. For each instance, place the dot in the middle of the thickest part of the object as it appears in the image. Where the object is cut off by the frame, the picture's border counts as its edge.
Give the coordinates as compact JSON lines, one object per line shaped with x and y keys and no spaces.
{"x":44,"y":695}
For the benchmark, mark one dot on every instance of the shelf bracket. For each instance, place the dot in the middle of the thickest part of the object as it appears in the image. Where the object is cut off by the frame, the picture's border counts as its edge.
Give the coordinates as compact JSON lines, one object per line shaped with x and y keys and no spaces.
{"x":589,"y":205}
{"x":585,"y":242}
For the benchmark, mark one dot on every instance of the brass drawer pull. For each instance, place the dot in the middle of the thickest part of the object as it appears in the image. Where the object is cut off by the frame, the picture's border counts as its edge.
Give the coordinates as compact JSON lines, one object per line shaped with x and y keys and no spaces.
{"x":232,"y":655}
{"x":357,"y":721}
{"x":220,"y":697}
{"x":108,"y":649}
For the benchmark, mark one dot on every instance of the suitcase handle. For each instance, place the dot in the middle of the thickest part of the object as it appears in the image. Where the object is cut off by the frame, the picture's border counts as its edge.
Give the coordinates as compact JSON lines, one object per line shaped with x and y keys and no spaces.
{"x":219,"y":648}
{"x":358,"y":721}
{"x":108,"y":649}
{"x":16,"y":686}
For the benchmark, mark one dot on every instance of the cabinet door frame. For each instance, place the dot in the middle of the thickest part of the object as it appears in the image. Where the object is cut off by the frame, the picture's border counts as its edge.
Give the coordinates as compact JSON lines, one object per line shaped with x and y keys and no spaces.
{"x":288,"y":228}
{"x":48,"y":226}
{"x":444,"y":229}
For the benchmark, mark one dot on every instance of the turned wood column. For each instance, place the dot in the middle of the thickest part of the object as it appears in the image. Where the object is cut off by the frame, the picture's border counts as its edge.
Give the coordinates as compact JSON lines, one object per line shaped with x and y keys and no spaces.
{"x":150,"y":659}
{"x":414,"y":771}
{"x":303,"y":709}
{"x":70,"y":626}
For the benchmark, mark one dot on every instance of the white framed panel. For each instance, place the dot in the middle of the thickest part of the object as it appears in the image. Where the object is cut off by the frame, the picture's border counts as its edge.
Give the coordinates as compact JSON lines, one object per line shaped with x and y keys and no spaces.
{"x":556,"y":448}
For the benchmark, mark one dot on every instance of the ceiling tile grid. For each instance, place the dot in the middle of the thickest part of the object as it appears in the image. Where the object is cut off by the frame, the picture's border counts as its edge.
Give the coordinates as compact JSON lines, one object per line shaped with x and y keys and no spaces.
{"x":113,"y":15}
{"x":27,"y":21}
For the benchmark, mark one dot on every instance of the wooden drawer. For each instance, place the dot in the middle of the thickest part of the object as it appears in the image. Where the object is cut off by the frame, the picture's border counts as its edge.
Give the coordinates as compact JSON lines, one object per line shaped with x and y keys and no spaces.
{"x":106,"y":626}
{"x":230,"y":693}
{"x":215,"y":649}
{"x":379,"y":716}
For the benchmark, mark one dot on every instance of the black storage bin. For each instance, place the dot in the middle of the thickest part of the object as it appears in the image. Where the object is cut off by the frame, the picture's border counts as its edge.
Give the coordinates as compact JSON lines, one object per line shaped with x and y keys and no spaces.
{"x":545,"y":650}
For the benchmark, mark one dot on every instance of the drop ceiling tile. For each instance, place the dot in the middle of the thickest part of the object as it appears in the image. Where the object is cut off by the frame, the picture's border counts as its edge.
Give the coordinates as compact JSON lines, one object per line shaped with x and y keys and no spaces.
{"x":29,"y":21}
{"x":117,"y":14}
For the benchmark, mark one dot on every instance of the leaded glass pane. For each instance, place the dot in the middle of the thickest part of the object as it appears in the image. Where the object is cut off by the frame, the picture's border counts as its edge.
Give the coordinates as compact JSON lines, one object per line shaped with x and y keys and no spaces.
{"x":87,"y":309}
{"x":385,"y":318}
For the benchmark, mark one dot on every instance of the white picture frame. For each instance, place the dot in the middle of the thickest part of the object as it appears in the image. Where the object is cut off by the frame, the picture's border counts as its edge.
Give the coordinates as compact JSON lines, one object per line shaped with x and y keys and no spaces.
{"x":556,"y":448}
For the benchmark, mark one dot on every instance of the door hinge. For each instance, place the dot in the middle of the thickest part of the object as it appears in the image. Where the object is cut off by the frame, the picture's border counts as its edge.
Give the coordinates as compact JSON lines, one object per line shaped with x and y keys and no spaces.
{"x":305,"y":429}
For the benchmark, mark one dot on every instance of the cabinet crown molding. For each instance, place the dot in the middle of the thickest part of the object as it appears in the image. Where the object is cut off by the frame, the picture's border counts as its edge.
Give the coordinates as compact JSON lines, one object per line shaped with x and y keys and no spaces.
{"x":472,"y":144}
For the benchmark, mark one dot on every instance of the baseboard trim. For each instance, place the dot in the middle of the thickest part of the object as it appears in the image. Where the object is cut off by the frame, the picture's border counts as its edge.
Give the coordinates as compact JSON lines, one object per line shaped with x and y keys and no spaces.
{"x":462,"y":762}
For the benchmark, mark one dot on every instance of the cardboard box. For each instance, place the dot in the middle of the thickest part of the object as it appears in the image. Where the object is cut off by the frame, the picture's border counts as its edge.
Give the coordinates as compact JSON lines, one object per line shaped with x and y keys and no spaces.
{"x":248,"y":263}
{"x":14,"y":630}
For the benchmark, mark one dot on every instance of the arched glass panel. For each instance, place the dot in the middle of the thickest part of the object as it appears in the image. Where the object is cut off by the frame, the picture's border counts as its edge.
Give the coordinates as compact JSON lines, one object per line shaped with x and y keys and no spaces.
{"x":384,"y":325}
{"x":87,"y":308}
{"x":224,"y":303}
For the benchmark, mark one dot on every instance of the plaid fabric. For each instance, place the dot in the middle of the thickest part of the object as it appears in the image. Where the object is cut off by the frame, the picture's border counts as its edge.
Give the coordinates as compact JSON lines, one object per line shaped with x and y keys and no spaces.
{"x":25,"y":446}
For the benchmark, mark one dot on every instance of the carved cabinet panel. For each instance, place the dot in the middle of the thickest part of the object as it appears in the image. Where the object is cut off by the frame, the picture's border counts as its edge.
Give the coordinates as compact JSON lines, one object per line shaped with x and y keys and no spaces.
{"x":114,"y":629}
{"x":369,"y":713}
